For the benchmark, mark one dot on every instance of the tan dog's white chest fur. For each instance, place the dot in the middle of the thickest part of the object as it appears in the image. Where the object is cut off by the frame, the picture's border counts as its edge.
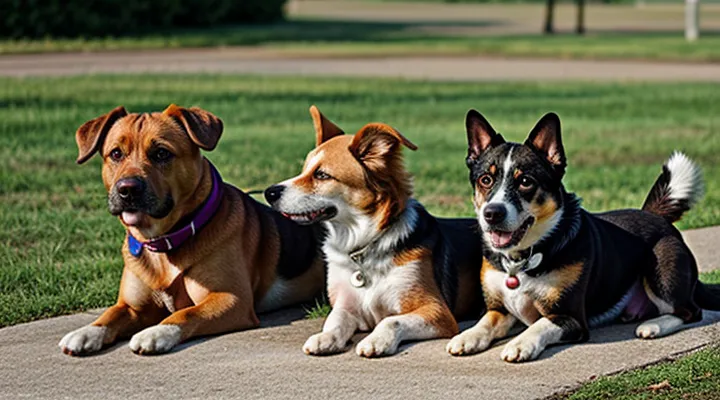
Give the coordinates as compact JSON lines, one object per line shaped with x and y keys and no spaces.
{"x":381,"y":295}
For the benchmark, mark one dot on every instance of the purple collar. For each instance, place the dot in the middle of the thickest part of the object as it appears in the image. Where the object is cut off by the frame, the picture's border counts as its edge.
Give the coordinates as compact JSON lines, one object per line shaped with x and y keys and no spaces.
{"x":166,"y":243}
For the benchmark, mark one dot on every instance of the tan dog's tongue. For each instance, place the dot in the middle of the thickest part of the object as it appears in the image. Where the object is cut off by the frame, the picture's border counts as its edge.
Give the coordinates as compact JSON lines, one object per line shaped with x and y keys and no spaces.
{"x":131,"y":218}
{"x":500,"y":239}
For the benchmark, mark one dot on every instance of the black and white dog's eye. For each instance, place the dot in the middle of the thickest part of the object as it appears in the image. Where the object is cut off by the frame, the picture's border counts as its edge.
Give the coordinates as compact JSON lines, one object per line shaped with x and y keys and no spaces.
{"x":321,"y":175}
{"x":526,"y":182}
{"x":486,"y":180}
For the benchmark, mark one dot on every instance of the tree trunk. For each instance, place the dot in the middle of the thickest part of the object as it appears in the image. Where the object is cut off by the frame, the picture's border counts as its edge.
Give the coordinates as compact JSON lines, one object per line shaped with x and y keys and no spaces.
{"x":580,"y":23}
{"x":549,"y":17}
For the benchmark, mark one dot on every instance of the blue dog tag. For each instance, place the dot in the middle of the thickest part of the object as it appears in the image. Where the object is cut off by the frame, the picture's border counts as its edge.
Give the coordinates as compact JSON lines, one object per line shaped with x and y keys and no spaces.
{"x":135,"y":246}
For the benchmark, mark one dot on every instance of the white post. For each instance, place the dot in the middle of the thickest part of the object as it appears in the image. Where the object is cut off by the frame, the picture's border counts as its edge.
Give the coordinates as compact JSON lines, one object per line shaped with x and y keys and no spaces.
{"x":692,"y":14}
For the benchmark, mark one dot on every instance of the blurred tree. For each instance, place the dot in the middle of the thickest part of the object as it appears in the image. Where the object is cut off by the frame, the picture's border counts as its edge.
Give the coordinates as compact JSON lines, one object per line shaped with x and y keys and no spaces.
{"x":580,"y":23}
{"x":550,"y":17}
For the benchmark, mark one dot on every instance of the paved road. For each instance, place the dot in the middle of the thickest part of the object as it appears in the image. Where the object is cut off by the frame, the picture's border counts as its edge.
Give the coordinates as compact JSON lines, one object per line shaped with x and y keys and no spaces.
{"x":268,"y":363}
{"x":259,"y":61}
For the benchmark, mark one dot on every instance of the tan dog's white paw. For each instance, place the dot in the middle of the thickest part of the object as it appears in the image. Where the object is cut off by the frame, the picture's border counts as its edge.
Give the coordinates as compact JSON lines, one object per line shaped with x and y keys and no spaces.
{"x":85,"y":340}
{"x":468,"y":342}
{"x":323,"y":343}
{"x":156,"y":339}
{"x":377,"y":344}
{"x":521,"y":349}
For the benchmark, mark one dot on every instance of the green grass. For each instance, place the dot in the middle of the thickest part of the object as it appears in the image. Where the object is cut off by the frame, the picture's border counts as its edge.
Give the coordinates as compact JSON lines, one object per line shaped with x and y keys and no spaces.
{"x":337,"y":38}
{"x":320,"y":309}
{"x":693,"y":377}
{"x":59,"y":247}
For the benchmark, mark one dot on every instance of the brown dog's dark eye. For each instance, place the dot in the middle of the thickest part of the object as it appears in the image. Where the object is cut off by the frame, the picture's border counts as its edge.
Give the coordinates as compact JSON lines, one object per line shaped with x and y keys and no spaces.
{"x":321,"y":175}
{"x":526,"y":182}
{"x":161,"y":155}
{"x":486,"y":180}
{"x":116,"y":154}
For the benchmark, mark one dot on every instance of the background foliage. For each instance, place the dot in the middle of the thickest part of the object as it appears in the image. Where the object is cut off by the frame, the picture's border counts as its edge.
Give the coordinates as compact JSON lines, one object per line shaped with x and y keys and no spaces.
{"x":74,"y":18}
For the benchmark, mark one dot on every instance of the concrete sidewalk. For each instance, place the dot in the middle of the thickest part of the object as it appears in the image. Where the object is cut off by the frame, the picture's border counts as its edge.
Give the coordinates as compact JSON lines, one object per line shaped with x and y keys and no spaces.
{"x":268,"y":362}
{"x":267,"y":62}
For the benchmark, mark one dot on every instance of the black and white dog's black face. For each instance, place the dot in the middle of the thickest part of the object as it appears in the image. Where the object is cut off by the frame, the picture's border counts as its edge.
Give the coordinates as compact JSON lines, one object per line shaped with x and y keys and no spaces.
{"x":517,"y":187}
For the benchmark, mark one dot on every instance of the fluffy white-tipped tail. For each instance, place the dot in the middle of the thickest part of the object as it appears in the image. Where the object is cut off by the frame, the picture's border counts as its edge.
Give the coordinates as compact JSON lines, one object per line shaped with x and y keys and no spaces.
{"x":676,"y":190}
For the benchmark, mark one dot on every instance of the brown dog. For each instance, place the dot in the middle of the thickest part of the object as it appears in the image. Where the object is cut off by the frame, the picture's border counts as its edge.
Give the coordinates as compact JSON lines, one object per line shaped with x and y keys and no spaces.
{"x":201,"y":257}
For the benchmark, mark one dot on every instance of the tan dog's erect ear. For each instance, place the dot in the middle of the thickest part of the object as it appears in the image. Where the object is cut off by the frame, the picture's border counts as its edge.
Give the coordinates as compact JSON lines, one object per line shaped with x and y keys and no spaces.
{"x":374,"y":142}
{"x":91,"y":135}
{"x":203,"y":127}
{"x":324,"y":128}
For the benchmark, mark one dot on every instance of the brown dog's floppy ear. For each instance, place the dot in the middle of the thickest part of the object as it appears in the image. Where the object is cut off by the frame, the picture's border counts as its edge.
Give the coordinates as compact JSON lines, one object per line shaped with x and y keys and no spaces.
{"x":480,"y":135}
{"x":202,"y":126}
{"x":374,"y":142}
{"x":324,"y":128}
{"x":91,"y":135}
{"x":545,"y":138}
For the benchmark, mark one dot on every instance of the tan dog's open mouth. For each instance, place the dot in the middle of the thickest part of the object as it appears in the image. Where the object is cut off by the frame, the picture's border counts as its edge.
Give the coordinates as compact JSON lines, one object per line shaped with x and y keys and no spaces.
{"x":312,"y":217}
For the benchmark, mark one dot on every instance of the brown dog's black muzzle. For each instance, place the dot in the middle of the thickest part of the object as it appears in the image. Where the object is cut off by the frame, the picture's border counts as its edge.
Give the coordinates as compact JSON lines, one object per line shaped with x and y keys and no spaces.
{"x":134,"y":194}
{"x":129,"y":188}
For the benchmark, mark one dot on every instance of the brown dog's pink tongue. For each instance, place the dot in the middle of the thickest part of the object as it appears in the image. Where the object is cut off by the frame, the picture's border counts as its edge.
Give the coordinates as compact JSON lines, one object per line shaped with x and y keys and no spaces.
{"x":131,"y":218}
{"x":500,"y":239}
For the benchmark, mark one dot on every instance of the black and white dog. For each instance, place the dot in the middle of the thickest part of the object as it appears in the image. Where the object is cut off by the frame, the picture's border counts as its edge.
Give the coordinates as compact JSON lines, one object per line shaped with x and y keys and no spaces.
{"x":560,"y":269}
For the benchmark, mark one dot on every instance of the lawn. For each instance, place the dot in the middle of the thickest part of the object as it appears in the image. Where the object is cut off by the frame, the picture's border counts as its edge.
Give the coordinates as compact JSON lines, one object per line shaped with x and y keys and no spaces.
{"x":347,"y":38}
{"x":59,"y":246}
{"x":694,"y":377}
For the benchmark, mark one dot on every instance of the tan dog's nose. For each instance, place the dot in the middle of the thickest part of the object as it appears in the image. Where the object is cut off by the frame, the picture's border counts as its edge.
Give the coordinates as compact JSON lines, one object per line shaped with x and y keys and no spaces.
{"x":273,"y":193}
{"x":130,"y":187}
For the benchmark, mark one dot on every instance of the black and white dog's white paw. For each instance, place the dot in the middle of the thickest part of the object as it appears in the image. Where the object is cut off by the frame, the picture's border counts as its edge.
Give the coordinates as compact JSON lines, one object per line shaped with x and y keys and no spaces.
{"x":658,"y":327}
{"x":522,"y":348}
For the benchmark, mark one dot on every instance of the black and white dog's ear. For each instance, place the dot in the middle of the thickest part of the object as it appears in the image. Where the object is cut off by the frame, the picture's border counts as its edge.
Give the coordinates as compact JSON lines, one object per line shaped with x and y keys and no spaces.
{"x":545,"y":138}
{"x":480,"y":135}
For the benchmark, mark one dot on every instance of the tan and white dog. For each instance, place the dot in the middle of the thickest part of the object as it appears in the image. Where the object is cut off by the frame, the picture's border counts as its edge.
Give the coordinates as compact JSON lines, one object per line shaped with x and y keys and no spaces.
{"x":392,"y":267}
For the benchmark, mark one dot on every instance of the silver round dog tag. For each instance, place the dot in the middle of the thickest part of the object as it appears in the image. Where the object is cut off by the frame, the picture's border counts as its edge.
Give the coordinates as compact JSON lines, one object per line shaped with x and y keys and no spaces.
{"x":357,"y":279}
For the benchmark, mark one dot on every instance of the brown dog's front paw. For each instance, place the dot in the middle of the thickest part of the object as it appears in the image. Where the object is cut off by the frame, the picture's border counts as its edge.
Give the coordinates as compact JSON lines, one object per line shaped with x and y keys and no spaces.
{"x":86,"y":340}
{"x":156,"y":339}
